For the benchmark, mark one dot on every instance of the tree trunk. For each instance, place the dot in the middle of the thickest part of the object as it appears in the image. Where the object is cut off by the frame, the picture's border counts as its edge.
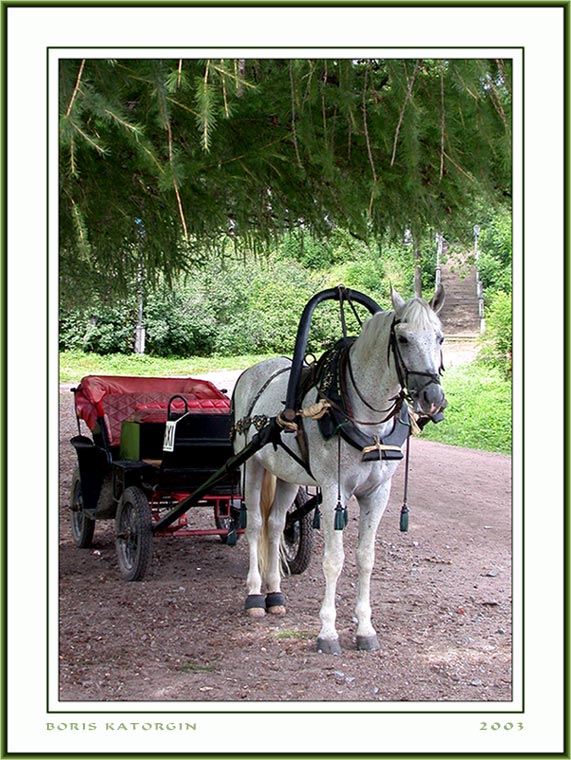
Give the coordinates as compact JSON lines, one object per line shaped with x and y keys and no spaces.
{"x":140,"y":326}
{"x":417,"y":269}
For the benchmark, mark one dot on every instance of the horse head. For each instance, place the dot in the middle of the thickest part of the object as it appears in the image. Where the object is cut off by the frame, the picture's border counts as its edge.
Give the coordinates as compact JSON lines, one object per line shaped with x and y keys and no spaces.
{"x":416,"y":341}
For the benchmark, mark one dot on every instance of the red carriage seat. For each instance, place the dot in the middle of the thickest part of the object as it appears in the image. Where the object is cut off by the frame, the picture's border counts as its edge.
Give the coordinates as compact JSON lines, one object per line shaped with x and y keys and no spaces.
{"x":144,"y":399}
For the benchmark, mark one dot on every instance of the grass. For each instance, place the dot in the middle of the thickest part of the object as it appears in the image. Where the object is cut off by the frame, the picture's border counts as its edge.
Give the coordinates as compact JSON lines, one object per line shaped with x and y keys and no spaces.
{"x":479,"y":399}
{"x":73,"y":365}
{"x":290,"y":633}
{"x":479,"y":413}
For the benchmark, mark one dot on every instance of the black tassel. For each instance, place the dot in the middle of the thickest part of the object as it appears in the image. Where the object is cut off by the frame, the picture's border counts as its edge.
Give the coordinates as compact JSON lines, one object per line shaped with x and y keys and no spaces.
{"x":232,"y":536}
{"x":317,"y":519}
{"x":341,"y":516}
{"x":243,"y":517}
{"x":404,"y":519}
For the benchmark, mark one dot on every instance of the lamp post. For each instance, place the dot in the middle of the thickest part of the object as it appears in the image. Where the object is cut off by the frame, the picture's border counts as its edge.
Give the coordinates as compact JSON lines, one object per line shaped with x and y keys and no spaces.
{"x":476,"y":236}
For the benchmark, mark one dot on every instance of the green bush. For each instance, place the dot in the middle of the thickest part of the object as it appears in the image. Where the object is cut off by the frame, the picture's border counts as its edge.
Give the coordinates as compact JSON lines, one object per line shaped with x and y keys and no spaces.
{"x":497,"y":342}
{"x":495,"y":262}
{"x":179,"y":323}
{"x":98,"y":327}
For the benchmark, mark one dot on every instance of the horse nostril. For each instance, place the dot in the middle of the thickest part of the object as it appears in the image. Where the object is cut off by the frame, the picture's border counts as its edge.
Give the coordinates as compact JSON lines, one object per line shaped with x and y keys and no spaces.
{"x":433,"y":396}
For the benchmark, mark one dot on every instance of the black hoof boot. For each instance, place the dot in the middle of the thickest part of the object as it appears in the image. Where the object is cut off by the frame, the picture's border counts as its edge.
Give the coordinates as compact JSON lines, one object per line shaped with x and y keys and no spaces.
{"x":255,"y":605}
{"x":275,"y":603}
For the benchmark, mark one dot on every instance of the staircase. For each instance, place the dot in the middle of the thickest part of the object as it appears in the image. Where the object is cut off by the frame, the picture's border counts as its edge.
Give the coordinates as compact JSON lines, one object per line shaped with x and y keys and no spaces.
{"x":462,"y":315}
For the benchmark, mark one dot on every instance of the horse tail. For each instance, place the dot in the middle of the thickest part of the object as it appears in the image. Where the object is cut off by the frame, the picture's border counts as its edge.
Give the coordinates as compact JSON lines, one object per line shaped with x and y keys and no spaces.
{"x":267,"y":496}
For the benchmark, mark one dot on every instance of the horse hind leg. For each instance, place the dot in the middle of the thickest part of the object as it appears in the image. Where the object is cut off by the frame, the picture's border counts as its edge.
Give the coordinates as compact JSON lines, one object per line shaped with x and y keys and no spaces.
{"x":284,"y":496}
{"x":255,"y":601}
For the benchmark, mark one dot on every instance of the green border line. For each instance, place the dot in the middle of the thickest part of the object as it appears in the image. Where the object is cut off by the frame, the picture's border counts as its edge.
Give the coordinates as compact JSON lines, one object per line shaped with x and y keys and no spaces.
{"x":566,"y":360}
{"x":489,"y":709}
{"x":3,"y":385}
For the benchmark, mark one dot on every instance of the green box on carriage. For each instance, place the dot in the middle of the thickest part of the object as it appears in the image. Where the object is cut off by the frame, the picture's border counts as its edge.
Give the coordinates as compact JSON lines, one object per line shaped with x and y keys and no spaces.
{"x":130,"y":445}
{"x":141,"y":440}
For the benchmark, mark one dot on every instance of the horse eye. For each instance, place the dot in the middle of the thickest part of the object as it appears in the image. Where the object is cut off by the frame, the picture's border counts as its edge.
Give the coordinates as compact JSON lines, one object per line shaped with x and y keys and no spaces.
{"x":402,"y":339}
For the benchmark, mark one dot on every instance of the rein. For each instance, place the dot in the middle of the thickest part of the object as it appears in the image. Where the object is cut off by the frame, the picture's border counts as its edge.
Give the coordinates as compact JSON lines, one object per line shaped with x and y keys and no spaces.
{"x":345,"y":361}
{"x":398,"y":399}
{"x":392,"y":410}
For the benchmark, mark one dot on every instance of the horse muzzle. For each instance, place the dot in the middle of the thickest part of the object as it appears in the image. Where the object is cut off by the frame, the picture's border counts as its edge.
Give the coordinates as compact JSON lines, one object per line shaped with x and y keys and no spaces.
{"x":430,"y":399}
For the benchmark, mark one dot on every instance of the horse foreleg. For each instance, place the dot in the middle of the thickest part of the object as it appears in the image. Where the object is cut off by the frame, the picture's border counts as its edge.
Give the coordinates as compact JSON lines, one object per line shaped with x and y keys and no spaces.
{"x":372,"y":505}
{"x":255,"y":601}
{"x":333,"y":557}
{"x":283,"y":499}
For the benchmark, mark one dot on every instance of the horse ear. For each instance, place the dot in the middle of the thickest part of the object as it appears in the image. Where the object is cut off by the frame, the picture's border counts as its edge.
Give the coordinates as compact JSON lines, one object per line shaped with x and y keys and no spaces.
{"x":438,"y":300}
{"x":398,"y":301}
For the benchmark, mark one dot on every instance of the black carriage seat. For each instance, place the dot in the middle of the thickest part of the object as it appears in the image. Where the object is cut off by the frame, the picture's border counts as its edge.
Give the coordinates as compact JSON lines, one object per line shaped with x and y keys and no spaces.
{"x":142,"y":433}
{"x":201,"y":446}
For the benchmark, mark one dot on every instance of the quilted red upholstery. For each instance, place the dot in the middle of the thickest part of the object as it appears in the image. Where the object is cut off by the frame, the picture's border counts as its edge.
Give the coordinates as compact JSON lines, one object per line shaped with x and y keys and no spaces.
{"x":117,"y":399}
{"x":158,"y":412}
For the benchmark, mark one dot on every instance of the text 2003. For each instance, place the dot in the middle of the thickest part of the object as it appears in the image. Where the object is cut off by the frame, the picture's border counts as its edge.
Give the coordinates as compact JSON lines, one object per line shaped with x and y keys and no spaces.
{"x":485,"y":726}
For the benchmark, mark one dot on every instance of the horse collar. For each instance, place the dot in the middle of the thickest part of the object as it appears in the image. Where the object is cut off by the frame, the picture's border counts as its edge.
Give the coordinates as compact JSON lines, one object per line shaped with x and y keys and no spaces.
{"x":331,"y":385}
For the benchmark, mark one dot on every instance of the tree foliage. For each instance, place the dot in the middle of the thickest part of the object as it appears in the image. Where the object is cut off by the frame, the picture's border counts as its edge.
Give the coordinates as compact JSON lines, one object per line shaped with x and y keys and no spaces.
{"x":162,"y":161}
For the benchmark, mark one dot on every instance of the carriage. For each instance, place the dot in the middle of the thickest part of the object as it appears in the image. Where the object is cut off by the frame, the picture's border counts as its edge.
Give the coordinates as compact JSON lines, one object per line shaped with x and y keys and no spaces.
{"x":160,"y":447}
{"x":295,"y":438}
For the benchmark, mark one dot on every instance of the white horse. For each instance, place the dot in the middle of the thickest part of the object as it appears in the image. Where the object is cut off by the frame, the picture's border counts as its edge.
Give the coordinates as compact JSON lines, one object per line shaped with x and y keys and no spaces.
{"x":396,"y":359}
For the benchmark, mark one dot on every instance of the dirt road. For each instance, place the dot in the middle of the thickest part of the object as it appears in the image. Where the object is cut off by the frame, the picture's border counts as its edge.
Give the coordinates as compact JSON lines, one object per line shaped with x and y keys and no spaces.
{"x":441,"y":598}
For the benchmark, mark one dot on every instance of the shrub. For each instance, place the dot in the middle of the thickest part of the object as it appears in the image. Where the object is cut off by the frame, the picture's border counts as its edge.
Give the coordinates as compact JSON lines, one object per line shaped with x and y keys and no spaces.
{"x":497,"y":342}
{"x":179,"y":322}
{"x":98,"y":327}
{"x":495,"y":262}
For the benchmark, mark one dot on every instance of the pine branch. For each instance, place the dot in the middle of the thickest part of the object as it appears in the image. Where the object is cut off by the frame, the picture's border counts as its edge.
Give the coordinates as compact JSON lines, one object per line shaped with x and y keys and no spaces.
{"x":225,"y":99}
{"x":460,"y":169}
{"x":91,"y":140}
{"x":293,"y":115}
{"x":238,"y":76}
{"x":75,"y":89}
{"x":206,"y":119}
{"x":134,"y":128}
{"x":403,"y":109}
{"x":366,"y":128}
{"x":167,"y":125}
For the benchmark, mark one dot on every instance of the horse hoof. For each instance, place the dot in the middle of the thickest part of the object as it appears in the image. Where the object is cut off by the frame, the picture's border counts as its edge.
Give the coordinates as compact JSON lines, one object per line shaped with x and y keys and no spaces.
{"x":256,"y":612}
{"x":275,"y":603}
{"x":328,"y":646}
{"x":255,"y":605}
{"x":368,"y":643}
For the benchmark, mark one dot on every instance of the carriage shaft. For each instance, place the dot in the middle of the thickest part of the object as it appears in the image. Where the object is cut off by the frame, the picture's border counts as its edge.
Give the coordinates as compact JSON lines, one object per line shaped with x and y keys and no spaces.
{"x":268,"y":434}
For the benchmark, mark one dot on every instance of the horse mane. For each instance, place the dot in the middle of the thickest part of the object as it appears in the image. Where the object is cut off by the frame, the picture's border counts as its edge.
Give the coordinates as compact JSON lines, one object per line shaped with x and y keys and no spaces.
{"x":372,"y":331}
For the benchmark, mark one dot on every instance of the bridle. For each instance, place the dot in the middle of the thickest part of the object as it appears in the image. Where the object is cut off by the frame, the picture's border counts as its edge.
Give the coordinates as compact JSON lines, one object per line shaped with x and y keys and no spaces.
{"x":404,"y":373}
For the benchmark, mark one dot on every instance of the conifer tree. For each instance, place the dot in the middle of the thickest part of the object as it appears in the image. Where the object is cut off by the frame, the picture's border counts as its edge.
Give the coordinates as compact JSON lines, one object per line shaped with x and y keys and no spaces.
{"x":164,"y":160}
